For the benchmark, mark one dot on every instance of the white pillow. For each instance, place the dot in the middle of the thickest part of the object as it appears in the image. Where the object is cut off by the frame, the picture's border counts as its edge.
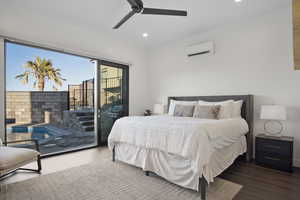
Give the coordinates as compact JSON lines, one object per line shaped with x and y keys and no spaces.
{"x":226,"y":108}
{"x":237,"y":109}
{"x":173,"y":103}
{"x":0,"y":142}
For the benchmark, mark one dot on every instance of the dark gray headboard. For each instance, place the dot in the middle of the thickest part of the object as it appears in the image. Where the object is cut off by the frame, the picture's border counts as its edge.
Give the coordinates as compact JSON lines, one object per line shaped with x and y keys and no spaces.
{"x":247,"y":112}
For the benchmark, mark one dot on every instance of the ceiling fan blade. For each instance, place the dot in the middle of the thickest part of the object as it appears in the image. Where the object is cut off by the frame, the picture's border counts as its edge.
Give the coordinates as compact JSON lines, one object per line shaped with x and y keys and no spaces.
{"x":135,"y":3}
{"x":155,"y":11}
{"x":127,"y":17}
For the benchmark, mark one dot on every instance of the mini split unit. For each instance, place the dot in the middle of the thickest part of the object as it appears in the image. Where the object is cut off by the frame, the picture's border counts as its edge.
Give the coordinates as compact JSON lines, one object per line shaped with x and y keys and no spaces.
{"x":207,"y":48}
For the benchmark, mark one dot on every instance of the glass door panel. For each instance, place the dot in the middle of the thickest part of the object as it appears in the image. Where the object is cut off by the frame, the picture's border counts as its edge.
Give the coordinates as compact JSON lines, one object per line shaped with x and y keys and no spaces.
{"x":57,"y":109}
{"x":113,"y":96}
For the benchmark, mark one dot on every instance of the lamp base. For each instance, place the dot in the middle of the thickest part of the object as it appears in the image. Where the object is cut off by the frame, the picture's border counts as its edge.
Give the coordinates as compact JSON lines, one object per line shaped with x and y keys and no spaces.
{"x":273,"y":128}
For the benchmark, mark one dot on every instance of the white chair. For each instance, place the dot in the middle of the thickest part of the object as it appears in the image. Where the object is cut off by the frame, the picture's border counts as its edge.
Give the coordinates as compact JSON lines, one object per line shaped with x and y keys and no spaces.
{"x":13,"y":158}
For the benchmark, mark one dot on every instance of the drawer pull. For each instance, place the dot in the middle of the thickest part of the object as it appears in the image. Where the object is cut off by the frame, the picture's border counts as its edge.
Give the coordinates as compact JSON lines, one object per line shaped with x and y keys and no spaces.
{"x":270,"y":158}
{"x":272,"y":146}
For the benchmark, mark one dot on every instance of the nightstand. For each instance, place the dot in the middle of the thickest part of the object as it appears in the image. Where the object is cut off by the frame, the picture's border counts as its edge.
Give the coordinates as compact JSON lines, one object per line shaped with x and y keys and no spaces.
{"x":274,"y":152}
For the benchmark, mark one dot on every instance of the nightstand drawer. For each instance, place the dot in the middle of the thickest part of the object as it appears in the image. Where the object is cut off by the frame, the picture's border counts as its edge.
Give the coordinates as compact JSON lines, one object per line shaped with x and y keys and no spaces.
{"x":273,"y":160}
{"x":281,"y":147}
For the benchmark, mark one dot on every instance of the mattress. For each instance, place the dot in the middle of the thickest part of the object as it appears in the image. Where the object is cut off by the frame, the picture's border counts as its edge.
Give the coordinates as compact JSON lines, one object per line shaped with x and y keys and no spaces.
{"x":177,"y":169}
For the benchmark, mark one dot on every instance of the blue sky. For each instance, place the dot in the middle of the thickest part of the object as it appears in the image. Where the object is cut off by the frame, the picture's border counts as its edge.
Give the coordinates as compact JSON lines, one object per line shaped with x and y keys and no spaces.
{"x":73,"y":68}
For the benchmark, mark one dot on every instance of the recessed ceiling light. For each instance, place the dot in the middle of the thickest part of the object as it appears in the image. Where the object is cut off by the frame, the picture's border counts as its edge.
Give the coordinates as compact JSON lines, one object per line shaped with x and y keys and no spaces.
{"x":238,"y":1}
{"x":145,"y":35}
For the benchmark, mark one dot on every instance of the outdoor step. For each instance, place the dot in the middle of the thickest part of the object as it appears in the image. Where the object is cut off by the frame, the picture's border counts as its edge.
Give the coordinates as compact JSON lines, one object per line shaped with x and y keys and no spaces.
{"x":88,"y":128}
{"x":84,"y":114}
{"x":86,"y":118}
{"x":87,"y":123}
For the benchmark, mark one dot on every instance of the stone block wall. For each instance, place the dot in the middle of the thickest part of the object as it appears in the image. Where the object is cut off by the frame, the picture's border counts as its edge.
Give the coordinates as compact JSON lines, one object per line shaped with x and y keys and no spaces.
{"x":30,"y":107}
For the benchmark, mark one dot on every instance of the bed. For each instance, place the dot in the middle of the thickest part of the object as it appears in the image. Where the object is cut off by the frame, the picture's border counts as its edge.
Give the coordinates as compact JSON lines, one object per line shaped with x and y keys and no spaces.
{"x":186,"y":151}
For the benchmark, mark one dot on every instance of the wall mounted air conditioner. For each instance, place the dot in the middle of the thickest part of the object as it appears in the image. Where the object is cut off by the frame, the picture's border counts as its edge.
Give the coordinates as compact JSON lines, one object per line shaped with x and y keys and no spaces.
{"x":204,"y":48}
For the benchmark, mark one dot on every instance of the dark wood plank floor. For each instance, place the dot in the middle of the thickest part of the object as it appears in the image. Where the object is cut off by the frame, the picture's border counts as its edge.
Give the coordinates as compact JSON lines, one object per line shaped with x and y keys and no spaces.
{"x":260,"y":183}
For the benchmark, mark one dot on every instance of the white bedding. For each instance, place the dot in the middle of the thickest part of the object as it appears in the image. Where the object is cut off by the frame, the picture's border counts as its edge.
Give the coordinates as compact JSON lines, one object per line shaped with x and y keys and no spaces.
{"x":190,"y":138}
{"x":177,"y":169}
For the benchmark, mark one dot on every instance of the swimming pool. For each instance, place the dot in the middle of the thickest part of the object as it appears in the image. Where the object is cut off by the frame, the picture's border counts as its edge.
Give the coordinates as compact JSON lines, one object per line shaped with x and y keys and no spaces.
{"x":40,"y":133}
{"x":51,"y":139}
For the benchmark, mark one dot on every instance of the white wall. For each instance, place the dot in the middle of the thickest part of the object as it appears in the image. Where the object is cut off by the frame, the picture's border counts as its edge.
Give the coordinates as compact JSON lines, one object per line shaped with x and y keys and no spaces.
{"x":1,"y":89}
{"x":252,"y":57}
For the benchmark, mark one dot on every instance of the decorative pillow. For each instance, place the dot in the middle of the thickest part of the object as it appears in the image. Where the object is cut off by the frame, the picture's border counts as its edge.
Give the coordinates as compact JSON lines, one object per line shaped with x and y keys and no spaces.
{"x":237,"y":109}
{"x":173,"y":103}
{"x":184,"y":110}
{"x":207,"y":111}
{"x":225,"y":110}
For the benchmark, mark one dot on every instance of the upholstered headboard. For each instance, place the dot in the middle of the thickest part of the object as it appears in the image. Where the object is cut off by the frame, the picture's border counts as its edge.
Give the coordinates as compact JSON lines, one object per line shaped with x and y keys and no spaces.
{"x":247,"y":112}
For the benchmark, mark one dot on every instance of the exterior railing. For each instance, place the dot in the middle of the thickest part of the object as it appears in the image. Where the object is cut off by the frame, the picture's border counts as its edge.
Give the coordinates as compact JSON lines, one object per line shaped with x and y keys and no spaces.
{"x":82,"y":96}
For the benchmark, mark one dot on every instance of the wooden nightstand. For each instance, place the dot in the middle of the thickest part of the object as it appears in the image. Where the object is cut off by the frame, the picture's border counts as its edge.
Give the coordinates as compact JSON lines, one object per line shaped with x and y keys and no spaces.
{"x":274,"y":152}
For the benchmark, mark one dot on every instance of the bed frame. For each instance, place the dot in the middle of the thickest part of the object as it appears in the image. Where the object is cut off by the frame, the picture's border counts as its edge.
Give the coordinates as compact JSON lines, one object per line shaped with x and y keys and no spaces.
{"x":247,"y":114}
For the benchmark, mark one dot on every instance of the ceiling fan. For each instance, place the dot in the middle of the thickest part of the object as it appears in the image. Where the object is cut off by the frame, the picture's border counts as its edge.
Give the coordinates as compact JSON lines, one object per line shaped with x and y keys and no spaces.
{"x":137,"y":6}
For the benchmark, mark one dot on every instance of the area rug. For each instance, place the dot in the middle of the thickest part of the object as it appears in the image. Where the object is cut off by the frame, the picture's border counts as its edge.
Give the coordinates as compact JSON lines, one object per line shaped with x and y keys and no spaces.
{"x":106,"y":180}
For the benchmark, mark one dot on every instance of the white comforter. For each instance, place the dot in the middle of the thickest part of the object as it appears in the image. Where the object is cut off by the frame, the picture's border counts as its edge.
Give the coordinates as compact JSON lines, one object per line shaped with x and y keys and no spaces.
{"x":192,"y":138}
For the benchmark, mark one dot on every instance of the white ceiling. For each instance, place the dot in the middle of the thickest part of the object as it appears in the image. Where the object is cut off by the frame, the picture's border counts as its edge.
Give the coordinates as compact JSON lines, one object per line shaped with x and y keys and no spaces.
{"x":101,"y":15}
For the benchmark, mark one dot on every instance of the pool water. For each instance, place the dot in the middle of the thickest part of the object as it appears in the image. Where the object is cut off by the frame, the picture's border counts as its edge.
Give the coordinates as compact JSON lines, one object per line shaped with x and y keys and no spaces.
{"x":51,"y":139}
{"x":22,"y":133}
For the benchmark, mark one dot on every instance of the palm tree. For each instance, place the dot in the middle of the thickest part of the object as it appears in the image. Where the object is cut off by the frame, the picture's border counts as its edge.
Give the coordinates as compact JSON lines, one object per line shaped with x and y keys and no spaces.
{"x":41,"y":70}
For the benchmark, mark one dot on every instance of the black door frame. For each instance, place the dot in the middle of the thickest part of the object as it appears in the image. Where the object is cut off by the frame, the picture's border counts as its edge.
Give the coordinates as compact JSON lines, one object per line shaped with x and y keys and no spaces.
{"x":103,"y":62}
{"x":125,"y":97}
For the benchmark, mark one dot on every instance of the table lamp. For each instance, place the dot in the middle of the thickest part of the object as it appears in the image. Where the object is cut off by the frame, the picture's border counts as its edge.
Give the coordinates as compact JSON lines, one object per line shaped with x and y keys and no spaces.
{"x":274,"y":115}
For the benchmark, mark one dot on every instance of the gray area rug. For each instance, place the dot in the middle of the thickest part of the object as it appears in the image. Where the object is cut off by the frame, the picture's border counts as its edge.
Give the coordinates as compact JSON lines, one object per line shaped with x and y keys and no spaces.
{"x":109,"y":181}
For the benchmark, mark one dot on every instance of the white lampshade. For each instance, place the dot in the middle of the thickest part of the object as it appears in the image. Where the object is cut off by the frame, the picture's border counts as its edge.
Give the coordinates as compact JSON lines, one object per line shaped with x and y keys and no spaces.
{"x":158,"y":109}
{"x":273,"y":112}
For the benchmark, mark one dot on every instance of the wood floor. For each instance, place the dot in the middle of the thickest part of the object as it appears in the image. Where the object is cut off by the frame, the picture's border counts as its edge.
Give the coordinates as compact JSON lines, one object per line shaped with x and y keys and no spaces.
{"x":259,"y":183}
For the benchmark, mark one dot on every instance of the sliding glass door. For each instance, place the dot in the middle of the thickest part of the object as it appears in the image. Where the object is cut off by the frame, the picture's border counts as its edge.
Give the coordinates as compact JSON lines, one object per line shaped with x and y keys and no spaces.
{"x":49,"y":98}
{"x":113,"y":96}
{"x":64,"y":101}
